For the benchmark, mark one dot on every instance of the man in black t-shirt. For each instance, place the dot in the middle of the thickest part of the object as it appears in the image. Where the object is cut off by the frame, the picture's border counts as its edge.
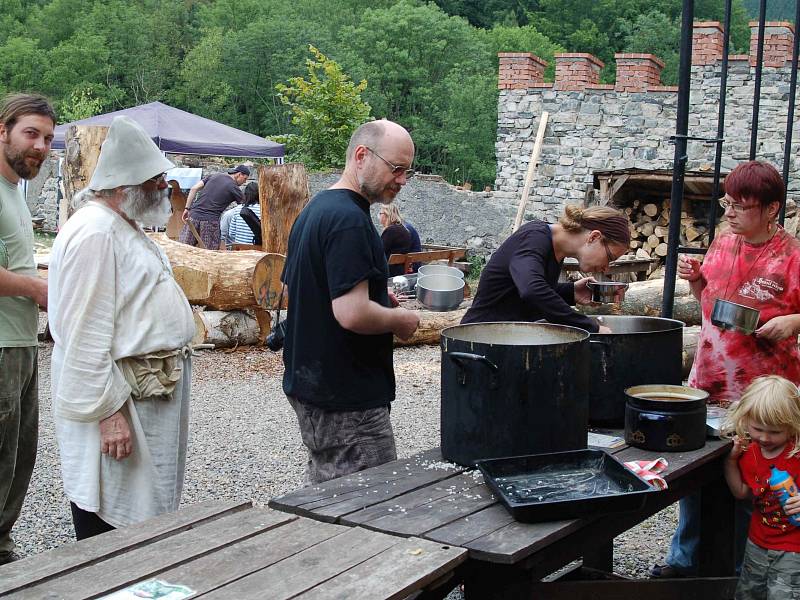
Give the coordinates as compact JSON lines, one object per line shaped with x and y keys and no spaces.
{"x":339,"y":374}
{"x":219,"y":191}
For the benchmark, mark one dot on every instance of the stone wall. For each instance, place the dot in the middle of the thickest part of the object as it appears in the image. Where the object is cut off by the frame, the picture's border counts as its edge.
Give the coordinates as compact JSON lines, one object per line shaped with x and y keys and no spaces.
{"x":628,"y":124}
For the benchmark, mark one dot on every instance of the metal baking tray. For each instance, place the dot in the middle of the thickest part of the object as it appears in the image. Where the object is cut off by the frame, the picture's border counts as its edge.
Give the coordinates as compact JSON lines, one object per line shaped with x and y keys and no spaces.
{"x":564,"y":485}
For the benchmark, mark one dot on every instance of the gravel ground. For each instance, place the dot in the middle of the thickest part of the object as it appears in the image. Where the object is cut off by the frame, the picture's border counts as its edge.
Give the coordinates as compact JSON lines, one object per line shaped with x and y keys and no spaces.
{"x":244,"y":444}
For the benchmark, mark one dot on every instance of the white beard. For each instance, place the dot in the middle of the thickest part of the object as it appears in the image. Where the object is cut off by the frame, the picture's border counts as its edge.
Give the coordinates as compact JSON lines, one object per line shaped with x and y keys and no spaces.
{"x":151,"y":209}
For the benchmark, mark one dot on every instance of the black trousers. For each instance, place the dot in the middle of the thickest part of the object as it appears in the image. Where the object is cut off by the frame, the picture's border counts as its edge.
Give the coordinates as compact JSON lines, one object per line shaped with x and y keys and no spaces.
{"x":87,"y":524}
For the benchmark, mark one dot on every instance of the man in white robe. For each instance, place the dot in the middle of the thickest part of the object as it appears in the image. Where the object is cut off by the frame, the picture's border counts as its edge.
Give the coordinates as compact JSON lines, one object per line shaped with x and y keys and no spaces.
{"x":121,"y":325}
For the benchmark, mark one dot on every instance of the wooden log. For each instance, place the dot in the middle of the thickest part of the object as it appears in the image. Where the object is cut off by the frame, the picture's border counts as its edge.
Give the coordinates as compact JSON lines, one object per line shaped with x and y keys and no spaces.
{"x":661,"y":249}
{"x":692,"y":233}
{"x":653,"y":241}
{"x":647,"y":229}
{"x":217,"y":280}
{"x":651,"y":210}
{"x":644,"y":298}
{"x":662,"y":232}
{"x":430,"y":327}
{"x":283,"y":192}
{"x":178,"y":201}
{"x":226,"y":329}
{"x":82,"y":143}
{"x":690,"y":336}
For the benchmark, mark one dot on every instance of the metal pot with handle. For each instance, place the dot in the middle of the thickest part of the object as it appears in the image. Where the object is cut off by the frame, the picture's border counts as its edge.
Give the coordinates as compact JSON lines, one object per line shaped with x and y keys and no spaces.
{"x":513,"y":389}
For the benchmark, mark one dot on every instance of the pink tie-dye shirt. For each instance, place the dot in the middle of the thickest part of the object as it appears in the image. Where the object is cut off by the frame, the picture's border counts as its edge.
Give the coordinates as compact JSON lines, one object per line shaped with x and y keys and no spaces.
{"x":765,"y":277}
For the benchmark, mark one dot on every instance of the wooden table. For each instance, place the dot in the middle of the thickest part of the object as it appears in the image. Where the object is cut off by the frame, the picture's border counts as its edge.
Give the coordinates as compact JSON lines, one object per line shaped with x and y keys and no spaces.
{"x":426,"y":498}
{"x":227,"y":550}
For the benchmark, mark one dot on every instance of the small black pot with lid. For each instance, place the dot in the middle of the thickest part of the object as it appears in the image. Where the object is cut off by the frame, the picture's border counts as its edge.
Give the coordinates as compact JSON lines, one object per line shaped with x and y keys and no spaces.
{"x":665,"y":418}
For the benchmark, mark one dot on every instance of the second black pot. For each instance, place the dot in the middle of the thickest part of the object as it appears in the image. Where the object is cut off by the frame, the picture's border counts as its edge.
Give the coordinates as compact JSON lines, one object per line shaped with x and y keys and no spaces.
{"x":665,"y":418}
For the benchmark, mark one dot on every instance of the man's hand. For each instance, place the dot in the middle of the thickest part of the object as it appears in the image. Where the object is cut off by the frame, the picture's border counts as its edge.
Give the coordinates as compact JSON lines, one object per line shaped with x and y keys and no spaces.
{"x":406,"y":323}
{"x":583,"y":295}
{"x":779,"y":328}
{"x":393,"y":300}
{"x":115,"y":436}
{"x":185,"y":215}
{"x":39,"y":291}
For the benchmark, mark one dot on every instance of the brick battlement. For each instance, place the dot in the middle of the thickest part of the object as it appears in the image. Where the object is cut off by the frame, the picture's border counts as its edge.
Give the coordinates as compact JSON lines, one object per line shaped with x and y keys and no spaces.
{"x":640,"y":72}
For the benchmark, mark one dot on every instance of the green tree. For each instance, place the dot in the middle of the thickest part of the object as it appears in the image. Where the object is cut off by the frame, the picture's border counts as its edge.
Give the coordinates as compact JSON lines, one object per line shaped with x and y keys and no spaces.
{"x":327,"y":108}
{"x":81,"y":104}
{"x":23,"y":64}
{"x":656,"y":33}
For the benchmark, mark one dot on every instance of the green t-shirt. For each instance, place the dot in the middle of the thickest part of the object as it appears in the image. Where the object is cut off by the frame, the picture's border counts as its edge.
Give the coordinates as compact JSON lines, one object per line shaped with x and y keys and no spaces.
{"x":19,"y":316}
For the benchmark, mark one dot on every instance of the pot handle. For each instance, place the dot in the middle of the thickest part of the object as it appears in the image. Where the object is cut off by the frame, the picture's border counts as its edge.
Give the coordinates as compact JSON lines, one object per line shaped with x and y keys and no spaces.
{"x":458,"y":357}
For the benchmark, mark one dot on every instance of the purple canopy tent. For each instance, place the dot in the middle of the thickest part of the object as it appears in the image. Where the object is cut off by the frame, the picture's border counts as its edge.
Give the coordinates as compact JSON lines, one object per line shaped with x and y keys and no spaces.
{"x":179,"y":132}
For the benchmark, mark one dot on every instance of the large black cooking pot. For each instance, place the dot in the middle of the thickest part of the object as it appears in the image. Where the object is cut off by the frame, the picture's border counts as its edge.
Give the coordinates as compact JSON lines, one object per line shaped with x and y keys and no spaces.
{"x":665,"y":418}
{"x":639,"y":350}
{"x":510,"y":389}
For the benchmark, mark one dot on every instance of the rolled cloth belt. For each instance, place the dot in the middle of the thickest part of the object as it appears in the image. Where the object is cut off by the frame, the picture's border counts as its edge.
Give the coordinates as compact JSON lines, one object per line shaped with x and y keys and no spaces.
{"x":155,"y":374}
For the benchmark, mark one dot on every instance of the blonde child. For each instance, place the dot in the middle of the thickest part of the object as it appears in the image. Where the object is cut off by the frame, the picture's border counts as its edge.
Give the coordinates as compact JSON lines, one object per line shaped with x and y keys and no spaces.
{"x":765,"y":426}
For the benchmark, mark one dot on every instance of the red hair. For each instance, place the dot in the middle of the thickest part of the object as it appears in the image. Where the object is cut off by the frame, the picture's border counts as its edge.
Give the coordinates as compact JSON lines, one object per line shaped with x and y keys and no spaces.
{"x":755,"y":180}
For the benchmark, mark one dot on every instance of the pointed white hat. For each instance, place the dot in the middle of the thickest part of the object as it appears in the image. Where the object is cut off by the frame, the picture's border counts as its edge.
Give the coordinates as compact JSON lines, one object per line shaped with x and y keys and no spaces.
{"x":127,"y":157}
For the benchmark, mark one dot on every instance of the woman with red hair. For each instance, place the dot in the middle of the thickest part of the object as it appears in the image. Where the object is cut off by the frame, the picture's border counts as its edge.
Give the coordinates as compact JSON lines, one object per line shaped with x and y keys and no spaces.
{"x":755,"y":263}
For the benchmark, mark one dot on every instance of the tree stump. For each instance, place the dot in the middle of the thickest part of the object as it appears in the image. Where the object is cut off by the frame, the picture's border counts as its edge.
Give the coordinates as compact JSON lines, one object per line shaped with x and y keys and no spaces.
{"x":283,"y":192}
{"x":82,"y":144}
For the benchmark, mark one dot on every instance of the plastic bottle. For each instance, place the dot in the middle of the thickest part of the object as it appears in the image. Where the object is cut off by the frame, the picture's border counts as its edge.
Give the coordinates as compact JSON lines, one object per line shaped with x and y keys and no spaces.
{"x":784,"y":487}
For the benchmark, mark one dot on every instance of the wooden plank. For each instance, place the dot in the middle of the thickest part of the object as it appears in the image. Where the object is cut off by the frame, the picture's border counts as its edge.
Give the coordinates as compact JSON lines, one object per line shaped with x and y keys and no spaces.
{"x":397,"y":259}
{"x":218,"y":569}
{"x":66,"y":559}
{"x":616,"y":187}
{"x":531,"y":172}
{"x":142,"y":563}
{"x":463,"y":531}
{"x":299,"y":501}
{"x":427,"y":508}
{"x":301,"y":572}
{"x":408,"y":566}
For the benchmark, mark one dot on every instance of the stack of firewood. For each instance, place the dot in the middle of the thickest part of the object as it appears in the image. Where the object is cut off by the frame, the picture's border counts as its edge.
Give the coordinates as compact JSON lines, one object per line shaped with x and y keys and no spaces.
{"x":650,"y":228}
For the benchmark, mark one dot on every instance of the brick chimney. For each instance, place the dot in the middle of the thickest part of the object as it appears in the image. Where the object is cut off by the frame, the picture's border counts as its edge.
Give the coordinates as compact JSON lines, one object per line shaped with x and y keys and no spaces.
{"x":637,"y":72}
{"x":706,"y":42}
{"x":520,"y":70}
{"x":778,"y":38}
{"x":577,"y":70}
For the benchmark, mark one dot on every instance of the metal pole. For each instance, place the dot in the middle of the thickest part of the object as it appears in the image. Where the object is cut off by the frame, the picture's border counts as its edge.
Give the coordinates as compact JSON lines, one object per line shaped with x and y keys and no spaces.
{"x":757,"y":91}
{"x":787,"y":149}
{"x":723,"y":90}
{"x":679,"y":162}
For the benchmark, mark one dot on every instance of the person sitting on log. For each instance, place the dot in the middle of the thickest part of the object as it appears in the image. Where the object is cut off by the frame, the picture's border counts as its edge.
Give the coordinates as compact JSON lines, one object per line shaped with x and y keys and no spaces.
{"x":396,"y":237}
{"x":121,"y":325}
{"x":245,"y":227}
{"x":520,"y":281}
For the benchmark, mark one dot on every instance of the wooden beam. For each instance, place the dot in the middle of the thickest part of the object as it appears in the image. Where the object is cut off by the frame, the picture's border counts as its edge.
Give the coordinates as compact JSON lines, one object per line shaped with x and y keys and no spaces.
{"x":534,"y":160}
{"x":617,"y":185}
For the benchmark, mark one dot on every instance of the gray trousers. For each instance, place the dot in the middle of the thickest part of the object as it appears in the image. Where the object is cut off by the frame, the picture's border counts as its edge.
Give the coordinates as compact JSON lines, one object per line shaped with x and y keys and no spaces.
{"x":19,"y":432}
{"x":343,"y":442}
{"x":768,"y":574}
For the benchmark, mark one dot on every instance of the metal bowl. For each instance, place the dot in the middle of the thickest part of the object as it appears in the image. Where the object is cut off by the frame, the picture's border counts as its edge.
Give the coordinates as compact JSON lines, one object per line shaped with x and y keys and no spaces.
{"x":606,"y":291}
{"x":440,"y":270}
{"x":729,"y":315}
{"x":440,"y":292}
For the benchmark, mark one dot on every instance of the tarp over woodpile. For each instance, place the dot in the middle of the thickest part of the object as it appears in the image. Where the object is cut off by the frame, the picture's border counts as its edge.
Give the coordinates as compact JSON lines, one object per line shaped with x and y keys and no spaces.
{"x":180,"y":132}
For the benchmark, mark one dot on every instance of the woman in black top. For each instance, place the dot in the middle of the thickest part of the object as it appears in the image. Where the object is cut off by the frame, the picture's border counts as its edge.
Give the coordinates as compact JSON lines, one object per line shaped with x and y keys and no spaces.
{"x":520,"y":282}
{"x":396,"y":237}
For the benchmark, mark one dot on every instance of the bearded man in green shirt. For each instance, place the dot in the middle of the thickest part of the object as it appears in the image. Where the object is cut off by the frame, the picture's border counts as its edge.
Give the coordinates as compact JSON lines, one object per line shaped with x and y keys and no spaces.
{"x":26,"y":132}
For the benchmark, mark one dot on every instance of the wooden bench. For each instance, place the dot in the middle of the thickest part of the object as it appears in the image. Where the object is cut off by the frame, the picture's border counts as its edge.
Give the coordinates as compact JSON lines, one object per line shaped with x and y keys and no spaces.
{"x":430,"y":252}
{"x":230,"y":550}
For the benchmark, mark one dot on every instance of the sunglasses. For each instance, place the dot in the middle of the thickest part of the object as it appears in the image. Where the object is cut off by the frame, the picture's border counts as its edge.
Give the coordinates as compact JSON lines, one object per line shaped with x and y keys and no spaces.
{"x":397,"y":170}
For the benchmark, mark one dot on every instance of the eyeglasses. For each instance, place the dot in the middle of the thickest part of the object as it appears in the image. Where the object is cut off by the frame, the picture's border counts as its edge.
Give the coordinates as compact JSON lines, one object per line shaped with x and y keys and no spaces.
{"x":609,"y":256}
{"x":734,"y":206}
{"x":397,"y":170}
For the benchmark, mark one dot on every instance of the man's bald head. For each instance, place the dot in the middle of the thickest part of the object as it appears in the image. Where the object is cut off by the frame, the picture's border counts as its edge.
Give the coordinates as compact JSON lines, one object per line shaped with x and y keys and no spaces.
{"x":375,"y":134}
